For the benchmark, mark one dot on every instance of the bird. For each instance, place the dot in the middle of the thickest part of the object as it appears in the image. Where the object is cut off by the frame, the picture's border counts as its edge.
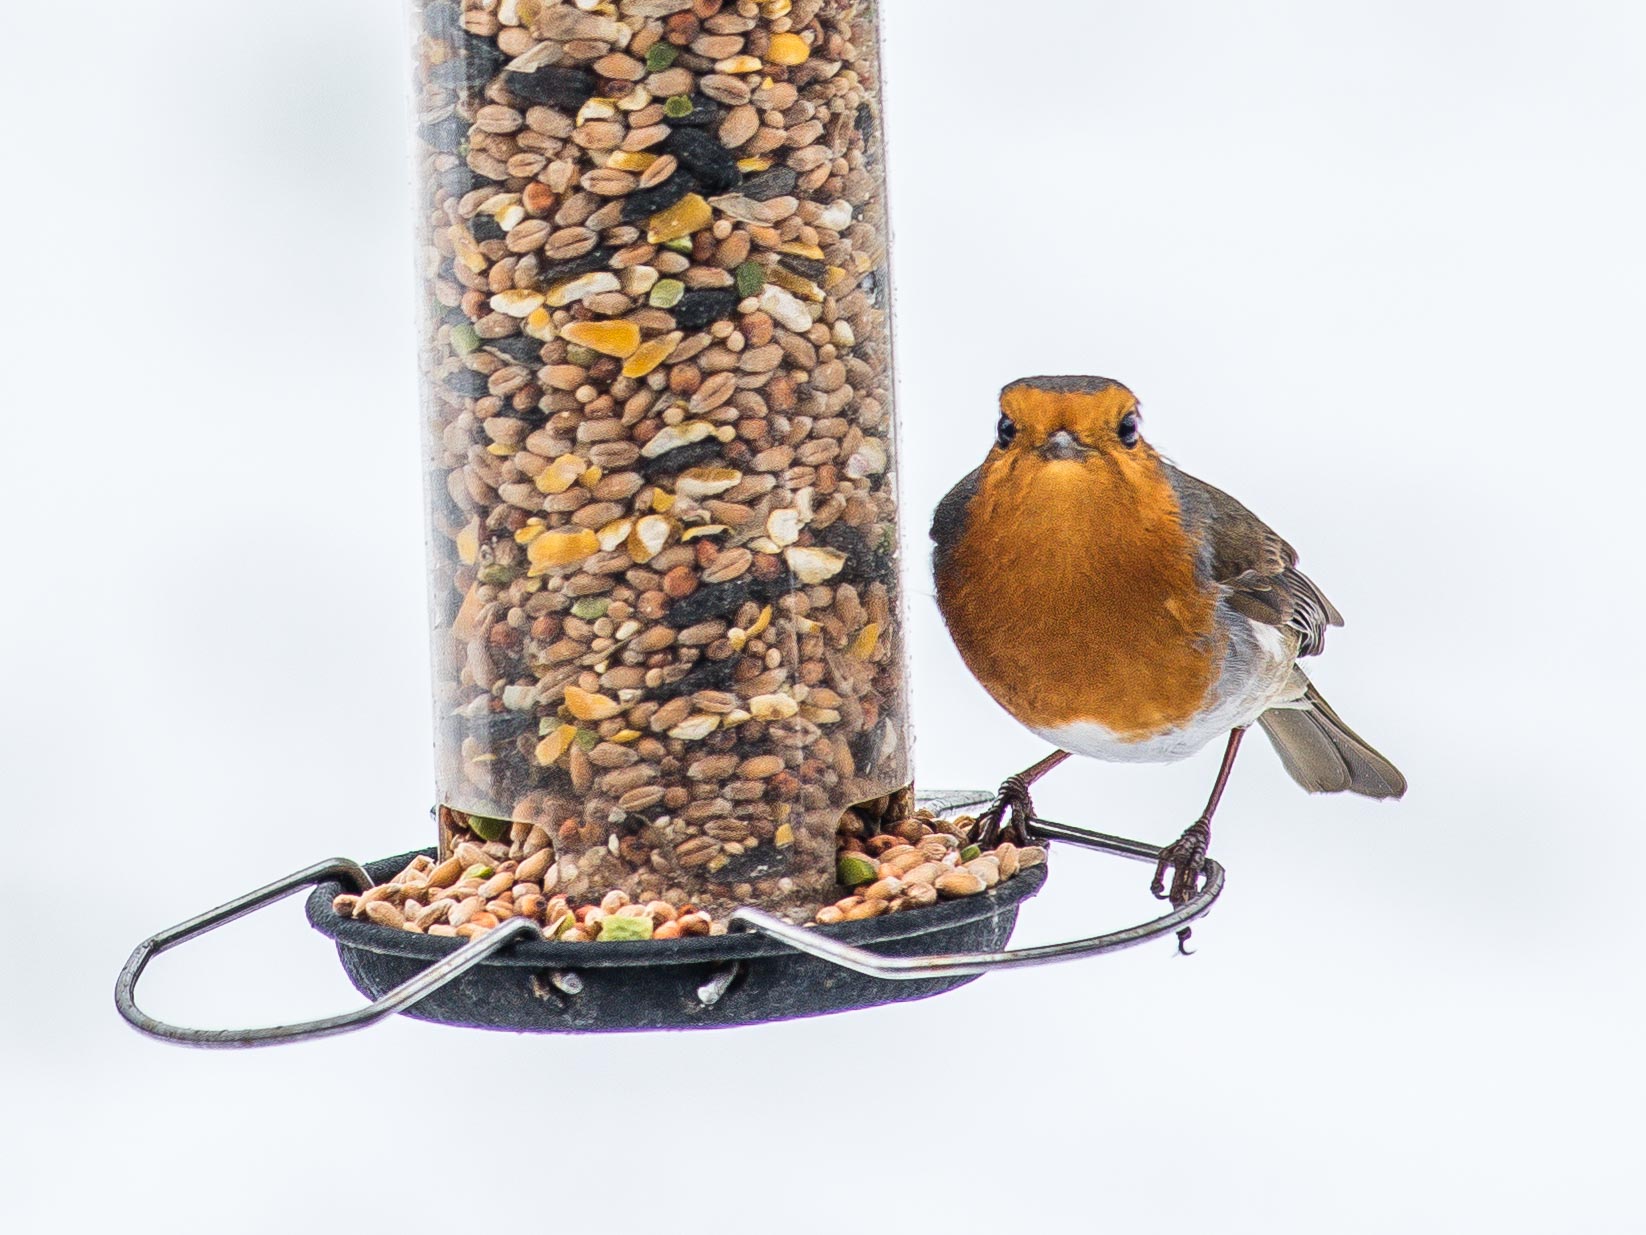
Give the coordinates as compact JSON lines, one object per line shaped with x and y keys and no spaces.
{"x":1123,"y":610}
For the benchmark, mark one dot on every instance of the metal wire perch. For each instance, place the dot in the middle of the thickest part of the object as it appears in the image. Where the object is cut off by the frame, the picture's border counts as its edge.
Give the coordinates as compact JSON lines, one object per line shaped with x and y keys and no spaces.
{"x":762,"y":957}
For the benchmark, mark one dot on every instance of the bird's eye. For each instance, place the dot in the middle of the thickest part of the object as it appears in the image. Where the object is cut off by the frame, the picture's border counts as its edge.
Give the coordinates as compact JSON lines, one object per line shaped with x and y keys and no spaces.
{"x":1005,"y":432}
{"x":1128,"y":430}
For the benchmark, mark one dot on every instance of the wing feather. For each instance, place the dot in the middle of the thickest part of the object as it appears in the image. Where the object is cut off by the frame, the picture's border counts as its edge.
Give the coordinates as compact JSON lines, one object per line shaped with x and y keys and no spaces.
{"x":1254,"y":563}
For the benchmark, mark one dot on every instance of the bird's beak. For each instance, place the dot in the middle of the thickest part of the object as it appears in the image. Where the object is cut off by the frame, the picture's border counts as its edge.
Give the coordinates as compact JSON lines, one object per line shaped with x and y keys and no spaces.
{"x":1062,"y":445}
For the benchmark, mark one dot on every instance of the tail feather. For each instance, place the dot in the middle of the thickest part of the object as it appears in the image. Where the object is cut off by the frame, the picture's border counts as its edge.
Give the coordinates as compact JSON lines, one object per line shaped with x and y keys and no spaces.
{"x":1326,"y":756}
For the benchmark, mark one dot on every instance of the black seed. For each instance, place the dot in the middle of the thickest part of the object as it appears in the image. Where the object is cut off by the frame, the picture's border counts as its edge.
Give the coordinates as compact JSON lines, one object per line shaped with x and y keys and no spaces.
{"x":779,"y":182}
{"x":805,"y":267}
{"x":442,"y":20}
{"x":842,"y":537}
{"x":765,"y":862}
{"x":717,"y":600}
{"x":647,"y":202}
{"x":705,"y":158}
{"x":445,"y":135}
{"x":863,"y":122}
{"x":462,"y":73}
{"x":557,"y":87}
{"x":864,"y":562}
{"x":680,"y":458}
{"x":704,"y":675}
{"x":461,"y":179}
{"x":705,"y":113}
{"x":523,"y":348}
{"x":446,"y":510}
{"x":497,"y":727}
{"x":704,"y":307}
{"x":473,"y":66}
{"x":485,"y":227}
{"x":865,"y":748}
{"x":571,"y":267}
{"x":468,"y":382}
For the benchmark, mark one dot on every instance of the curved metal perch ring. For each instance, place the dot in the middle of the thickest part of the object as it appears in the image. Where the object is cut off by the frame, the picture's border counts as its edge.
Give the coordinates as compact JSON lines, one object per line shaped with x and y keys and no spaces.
{"x":477,"y":951}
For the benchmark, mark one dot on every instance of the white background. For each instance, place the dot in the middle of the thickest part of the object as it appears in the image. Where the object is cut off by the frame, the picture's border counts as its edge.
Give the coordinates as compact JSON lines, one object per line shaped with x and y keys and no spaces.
{"x":1376,"y":269}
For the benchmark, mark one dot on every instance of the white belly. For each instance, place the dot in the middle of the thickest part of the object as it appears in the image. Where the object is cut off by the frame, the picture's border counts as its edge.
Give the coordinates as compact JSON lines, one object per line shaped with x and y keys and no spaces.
{"x":1096,"y":742}
{"x":1257,"y":676}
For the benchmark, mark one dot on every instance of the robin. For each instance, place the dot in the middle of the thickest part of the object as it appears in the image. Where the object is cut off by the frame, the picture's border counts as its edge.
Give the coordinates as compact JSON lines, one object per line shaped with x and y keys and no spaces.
{"x":1123,"y":610}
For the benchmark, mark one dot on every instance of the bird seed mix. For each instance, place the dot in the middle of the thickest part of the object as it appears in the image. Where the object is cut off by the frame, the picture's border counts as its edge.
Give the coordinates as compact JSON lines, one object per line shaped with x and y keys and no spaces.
{"x":912,"y":864}
{"x":667,"y":624}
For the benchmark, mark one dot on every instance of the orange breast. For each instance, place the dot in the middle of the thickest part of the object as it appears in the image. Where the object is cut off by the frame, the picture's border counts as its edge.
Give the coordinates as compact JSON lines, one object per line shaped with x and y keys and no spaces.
{"x":1071,"y":594}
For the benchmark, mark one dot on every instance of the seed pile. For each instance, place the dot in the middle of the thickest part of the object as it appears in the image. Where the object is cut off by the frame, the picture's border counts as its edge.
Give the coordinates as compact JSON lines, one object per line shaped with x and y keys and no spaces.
{"x":668,"y":631}
{"x":920,"y":861}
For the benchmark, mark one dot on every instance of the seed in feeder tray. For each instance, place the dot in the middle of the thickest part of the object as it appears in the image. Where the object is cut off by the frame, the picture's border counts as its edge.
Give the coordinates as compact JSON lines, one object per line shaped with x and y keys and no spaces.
{"x":959,"y":883}
{"x":619,"y":929}
{"x":908,"y":876}
{"x":854,"y":869}
{"x":486,"y":828}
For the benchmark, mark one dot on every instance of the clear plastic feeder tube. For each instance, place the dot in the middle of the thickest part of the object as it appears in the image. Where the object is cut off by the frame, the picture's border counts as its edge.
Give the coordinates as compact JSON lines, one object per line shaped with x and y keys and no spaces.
{"x":663,"y":548}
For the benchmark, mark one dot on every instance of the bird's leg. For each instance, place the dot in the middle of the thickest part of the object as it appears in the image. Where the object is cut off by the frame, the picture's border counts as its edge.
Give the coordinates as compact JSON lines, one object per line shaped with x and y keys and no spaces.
{"x":1186,"y":856}
{"x":1013,"y":799}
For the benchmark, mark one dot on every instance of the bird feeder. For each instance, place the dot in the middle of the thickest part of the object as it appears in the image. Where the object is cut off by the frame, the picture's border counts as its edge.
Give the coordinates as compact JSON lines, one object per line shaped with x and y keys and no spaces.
{"x":663,"y":537}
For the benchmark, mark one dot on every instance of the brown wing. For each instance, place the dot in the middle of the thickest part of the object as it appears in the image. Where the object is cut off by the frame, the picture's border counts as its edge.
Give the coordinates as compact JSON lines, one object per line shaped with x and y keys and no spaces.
{"x":1259,"y":568}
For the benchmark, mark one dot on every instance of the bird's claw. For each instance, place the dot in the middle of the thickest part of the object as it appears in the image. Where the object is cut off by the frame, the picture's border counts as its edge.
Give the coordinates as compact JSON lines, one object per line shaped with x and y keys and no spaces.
{"x":1011,"y":801}
{"x":1185,"y":858}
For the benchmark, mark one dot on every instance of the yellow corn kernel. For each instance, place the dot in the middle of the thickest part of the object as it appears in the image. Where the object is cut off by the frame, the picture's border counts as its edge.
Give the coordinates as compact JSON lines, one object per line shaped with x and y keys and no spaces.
{"x":468,"y":542}
{"x":690,"y":214}
{"x":788,"y":49}
{"x":651,"y":354}
{"x":619,"y":339}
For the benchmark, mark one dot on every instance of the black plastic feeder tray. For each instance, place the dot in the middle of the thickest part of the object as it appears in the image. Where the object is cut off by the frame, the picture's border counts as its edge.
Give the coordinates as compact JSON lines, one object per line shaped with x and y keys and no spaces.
{"x":764,"y":969}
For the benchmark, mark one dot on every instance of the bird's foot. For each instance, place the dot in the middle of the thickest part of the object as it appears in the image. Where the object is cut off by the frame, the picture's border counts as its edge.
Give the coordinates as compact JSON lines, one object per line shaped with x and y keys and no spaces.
{"x":1011,"y":802}
{"x":1185,"y":858}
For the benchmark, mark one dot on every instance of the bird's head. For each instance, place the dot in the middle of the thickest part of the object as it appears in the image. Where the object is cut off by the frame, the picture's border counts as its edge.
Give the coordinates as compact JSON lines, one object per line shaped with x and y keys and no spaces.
{"x":1046,"y":422}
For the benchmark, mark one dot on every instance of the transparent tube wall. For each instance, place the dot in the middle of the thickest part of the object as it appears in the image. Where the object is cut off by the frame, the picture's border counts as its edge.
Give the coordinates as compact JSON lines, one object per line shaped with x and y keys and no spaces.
{"x":663,"y":549}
